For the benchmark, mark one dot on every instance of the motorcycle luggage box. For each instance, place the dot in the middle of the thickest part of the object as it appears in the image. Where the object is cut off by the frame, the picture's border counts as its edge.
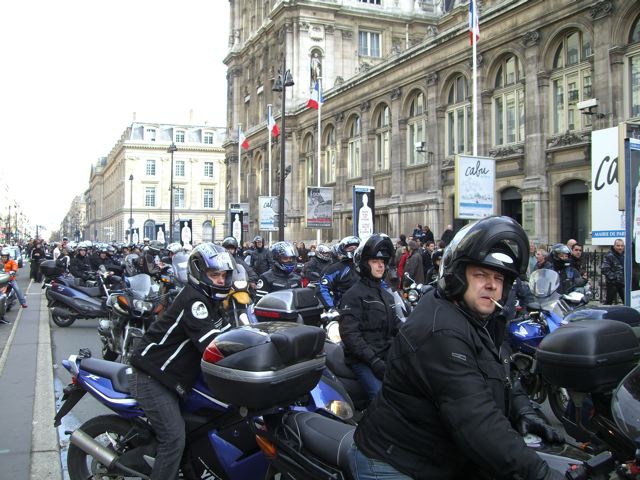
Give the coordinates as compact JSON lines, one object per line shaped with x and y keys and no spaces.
{"x":50,"y":268}
{"x":628,"y":315}
{"x":264,"y":365}
{"x":286,"y":305}
{"x":588,"y":356}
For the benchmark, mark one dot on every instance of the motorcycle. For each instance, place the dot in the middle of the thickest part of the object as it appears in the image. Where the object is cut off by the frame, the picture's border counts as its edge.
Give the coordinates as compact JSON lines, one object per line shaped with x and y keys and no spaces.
{"x":299,"y":444}
{"x":545,"y":315}
{"x":68,"y":301}
{"x":220,"y":442}
{"x":9,"y":293}
{"x":5,"y":278}
{"x":131,"y":312}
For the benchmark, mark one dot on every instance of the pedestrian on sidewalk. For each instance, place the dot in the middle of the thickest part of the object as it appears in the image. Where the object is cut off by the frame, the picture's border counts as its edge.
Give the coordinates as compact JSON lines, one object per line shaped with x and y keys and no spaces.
{"x":37,"y":255}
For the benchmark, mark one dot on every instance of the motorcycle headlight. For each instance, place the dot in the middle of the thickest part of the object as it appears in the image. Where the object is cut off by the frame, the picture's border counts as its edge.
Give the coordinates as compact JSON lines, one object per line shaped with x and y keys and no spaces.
{"x":142,"y":306}
{"x":413,"y":296}
{"x":333,"y":332}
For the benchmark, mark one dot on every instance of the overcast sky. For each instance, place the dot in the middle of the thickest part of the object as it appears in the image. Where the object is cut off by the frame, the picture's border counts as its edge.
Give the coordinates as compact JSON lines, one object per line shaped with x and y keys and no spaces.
{"x":74,"y":71}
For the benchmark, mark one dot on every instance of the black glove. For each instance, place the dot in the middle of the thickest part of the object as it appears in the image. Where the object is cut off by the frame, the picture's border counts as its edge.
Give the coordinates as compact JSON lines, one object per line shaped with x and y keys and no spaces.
{"x":378,"y":367}
{"x":530,"y":422}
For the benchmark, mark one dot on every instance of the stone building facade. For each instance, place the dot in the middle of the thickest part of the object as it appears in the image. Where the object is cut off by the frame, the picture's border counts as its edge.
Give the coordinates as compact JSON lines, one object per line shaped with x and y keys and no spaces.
{"x":396,"y":79}
{"x":142,"y":151}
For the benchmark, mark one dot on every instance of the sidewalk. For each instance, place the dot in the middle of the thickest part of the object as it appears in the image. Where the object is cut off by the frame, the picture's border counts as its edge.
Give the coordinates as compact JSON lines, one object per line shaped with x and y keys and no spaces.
{"x":29,"y":444}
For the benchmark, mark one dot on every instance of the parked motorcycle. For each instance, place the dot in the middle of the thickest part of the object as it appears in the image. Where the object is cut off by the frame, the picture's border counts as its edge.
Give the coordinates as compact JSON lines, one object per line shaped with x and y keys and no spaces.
{"x":131,"y":311}
{"x":68,"y":301}
{"x":220,"y":442}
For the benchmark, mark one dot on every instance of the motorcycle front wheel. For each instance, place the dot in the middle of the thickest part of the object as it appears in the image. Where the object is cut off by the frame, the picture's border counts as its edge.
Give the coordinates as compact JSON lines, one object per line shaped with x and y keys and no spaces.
{"x":109,"y":430}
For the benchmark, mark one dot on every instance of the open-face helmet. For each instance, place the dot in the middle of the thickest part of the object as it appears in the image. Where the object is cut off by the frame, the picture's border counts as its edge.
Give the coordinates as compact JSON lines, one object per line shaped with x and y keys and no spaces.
{"x":230,"y":242}
{"x":498,"y":243}
{"x":377,"y":245}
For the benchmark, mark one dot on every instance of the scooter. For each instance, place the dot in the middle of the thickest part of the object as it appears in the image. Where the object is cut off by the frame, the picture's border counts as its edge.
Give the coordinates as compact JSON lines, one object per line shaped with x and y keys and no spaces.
{"x":220,"y":441}
{"x":4,"y":298}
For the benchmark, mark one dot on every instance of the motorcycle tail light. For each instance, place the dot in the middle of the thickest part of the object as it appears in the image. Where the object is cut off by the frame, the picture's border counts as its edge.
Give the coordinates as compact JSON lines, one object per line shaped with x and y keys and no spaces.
{"x":159,"y":309}
{"x":267,"y":313}
{"x":267,"y":447}
{"x":54,"y":284}
{"x":212,"y":354}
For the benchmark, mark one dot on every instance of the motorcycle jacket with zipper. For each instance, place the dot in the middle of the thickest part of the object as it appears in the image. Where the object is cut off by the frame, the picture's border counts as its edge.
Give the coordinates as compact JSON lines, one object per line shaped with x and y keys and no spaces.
{"x":446,"y":402}
{"x":337,"y":279}
{"x":275,"y":279}
{"x":173,"y":345}
{"x":368,"y":322}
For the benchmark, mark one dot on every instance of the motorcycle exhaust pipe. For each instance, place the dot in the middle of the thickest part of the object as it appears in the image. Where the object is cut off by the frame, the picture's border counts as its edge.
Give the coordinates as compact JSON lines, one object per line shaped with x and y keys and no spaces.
{"x":101,"y":453}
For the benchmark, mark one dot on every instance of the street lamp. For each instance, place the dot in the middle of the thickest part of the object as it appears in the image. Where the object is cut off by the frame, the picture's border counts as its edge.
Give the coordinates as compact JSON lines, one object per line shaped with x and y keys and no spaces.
{"x":131,"y":210}
{"x":281,"y":85}
{"x":172,"y":148}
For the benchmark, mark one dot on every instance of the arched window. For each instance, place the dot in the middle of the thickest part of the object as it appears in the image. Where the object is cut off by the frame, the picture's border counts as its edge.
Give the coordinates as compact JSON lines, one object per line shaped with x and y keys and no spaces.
{"x":207,"y":231}
{"x":150,"y":229}
{"x":634,"y":70}
{"x":458,"y":126}
{"x":571,"y":82}
{"x":330,"y":165}
{"x":353,"y":149}
{"x":416,"y":129}
{"x":309,"y":156}
{"x":383,"y":139}
{"x":508,"y":103}
{"x":574,"y":211}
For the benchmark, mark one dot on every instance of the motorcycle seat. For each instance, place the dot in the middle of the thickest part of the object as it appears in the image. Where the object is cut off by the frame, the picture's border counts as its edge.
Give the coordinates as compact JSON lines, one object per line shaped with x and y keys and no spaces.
{"x":328,"y":439}
{"x":116,"y":372}
{"x":335,"y":361}
{"x":91,"y":291}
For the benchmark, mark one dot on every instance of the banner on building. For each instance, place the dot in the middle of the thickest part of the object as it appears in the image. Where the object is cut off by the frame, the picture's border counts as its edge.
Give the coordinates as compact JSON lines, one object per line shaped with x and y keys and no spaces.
{"x":160,"y":233}
{"x":267,"y":213}
{"x":186,"y":232}
{"x":632,"y":237}
{"x":364,"y":212}
{"x":607,"y":222}
{"x":236,"y":220}
{"x":246,"y":216}
{"x":319,"y":207}
{"x":475,"y":180}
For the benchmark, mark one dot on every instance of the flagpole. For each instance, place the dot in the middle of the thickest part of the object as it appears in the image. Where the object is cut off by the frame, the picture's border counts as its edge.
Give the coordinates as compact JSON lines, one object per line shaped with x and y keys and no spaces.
{"x":239,"y":157}
{"x":475,"y":99}
{"x":319,"y":233}
{"x":269,"y":106}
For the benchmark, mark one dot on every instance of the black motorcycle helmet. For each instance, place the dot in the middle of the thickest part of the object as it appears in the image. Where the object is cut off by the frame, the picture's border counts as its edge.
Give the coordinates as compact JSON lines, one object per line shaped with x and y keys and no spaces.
{"x":377,"y":245}
{"x":279,"y":250}
{"x":230,"y":242}
{"x":210,"y":257}
{"x":436,"y":256}
{"x":257,"y":239}
{"x":558,"y":251}
{"x":343,"y":246}
{"x":498,"y":243}
{"x":132,"y":264}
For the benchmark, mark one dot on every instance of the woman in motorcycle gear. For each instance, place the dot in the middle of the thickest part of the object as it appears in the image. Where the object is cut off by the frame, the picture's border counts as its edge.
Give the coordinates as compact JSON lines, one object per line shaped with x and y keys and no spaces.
{"x":281,"y":275}
{"x":447,"y":409}
{"x":368,"y":320}
{"x":167,"y":362}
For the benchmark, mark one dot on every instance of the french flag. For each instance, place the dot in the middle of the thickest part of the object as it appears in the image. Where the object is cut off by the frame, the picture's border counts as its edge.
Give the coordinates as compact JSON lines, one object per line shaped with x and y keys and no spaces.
{"x":474,"y":22}
{"x":272,"y":126}
{"x":242,"y":140}
{"x":316,"y":97}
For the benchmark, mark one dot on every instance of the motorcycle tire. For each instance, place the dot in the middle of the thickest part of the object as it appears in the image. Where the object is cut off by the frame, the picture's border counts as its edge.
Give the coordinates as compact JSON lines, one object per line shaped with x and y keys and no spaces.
{"x":558,"y":401}
{"x":62,"y":322}
{"x":82,"y":466}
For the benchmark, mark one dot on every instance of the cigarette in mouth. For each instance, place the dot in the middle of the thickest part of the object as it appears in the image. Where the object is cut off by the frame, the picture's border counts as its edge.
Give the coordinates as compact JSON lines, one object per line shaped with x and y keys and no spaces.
{"x":497,"y":304}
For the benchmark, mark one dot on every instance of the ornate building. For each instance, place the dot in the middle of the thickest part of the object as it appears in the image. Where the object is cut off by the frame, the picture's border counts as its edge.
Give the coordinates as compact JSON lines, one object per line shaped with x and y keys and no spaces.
{"x":142,"y":153}
{"x":396,"y":76}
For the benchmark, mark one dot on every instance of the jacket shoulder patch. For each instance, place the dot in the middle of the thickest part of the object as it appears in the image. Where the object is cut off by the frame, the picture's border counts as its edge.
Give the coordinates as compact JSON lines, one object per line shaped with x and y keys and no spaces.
{"x":199,"y":310}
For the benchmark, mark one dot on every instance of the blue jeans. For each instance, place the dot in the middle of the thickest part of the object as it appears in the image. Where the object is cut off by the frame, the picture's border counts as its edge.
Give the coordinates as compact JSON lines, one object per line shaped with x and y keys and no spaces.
{"x":162,"y":409}
{"x":367,"y":379}
{"x":365,"y":468}
{"x":14,"y":285}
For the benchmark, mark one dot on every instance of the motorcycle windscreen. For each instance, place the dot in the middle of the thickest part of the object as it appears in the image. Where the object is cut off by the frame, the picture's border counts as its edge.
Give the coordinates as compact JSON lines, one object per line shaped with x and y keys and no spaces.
{"x":140,"y":285}
{"x":179,"y":262}
{"x":544,"y":282}
{"x":625,"y":405}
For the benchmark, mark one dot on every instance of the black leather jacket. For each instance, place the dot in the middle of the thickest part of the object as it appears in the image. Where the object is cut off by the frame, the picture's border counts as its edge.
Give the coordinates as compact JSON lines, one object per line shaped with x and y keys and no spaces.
{"x":259,"y":260}
{"x":446,"y":402}
{"x":613,"y":267}
{"x":368,"y":322}
{"x":275,"y":279}
{"x":80,"y":266}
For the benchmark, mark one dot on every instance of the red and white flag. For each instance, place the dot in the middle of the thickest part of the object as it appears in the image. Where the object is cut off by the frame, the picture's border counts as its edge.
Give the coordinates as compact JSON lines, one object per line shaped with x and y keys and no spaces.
{"x":242,"y":140}
{"x":272,"y":126}
{"x":316,"y":97}
{"x":474,"y":22}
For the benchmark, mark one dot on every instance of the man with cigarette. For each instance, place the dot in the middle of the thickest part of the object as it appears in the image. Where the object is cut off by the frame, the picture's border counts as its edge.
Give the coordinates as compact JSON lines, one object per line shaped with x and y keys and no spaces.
{"x":447,"y":408}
